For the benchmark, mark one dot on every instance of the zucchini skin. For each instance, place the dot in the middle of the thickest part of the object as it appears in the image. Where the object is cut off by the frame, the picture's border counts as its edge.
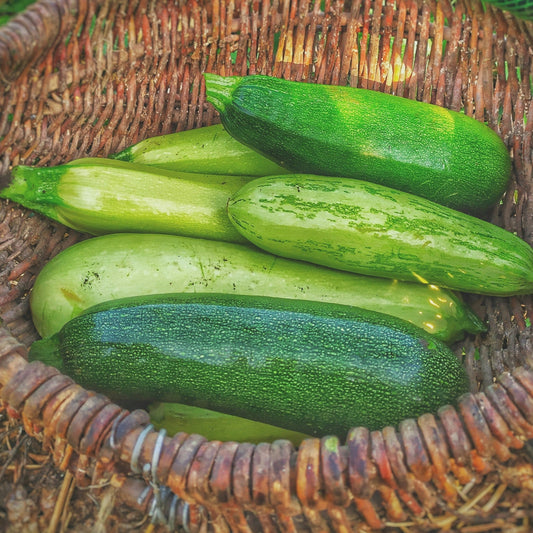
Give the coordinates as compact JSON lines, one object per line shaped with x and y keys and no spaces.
{"x":307,"y":366}
{"x":207,"y":150}
{"x":99,"y":196}
{"x":213,"y":425}
{"x":119,"y":265}
{"x":420,"y":148}
{"x":363,"y":227}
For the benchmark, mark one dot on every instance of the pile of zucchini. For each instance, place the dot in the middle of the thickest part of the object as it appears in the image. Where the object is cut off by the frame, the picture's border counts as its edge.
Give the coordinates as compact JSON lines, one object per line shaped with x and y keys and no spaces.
{"x":297,"y":265}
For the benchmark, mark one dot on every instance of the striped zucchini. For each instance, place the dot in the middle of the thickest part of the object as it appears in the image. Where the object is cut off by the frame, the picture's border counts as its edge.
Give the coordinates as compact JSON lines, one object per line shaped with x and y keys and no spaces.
{"x":314,"y":367}
{"x":98,"y":196}
{"x":424,"y":149}
{"x":118,"y":265}
{"x":208,"y":150}
{"x":366,"y":228}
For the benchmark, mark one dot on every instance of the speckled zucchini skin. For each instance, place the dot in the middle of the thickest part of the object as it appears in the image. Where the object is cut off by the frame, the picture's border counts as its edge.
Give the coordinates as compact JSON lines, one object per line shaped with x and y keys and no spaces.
{"x":424,"y":149}
{"x":307,"y":366}
{"x":370,"y":229}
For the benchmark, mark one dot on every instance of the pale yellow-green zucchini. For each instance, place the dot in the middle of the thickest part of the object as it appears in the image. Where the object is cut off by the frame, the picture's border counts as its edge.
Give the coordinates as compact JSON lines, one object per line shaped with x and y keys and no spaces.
{"x":98,"y":196}
{"x":122,"y":264}
{"x":210,"y":150}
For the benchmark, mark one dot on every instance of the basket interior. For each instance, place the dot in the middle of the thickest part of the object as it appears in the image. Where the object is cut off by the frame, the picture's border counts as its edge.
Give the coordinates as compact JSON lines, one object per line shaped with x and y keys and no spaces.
{"x":90,"y":78}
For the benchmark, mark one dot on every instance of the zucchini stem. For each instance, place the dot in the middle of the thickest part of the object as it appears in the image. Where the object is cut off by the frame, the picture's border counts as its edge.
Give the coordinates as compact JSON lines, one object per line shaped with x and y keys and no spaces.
{"x":35,"y":188}
{"x":219,"y":89}
{"x":124,"y":155}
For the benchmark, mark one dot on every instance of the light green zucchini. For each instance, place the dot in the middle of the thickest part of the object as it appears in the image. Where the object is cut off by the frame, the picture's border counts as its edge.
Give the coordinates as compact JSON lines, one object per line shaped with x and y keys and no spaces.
{"x":208,"y":150}
{"x":98,"y":196}
{"x":119,"y":265}
{"x":214,"y":425}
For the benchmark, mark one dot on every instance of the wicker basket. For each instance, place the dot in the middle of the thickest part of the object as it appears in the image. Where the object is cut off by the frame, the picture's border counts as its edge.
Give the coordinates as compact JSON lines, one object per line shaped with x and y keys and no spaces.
{"x":81,"y":78}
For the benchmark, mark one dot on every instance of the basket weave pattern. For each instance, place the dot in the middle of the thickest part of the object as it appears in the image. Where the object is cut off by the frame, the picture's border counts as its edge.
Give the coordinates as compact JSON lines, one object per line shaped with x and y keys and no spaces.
{"x":80,"y":78}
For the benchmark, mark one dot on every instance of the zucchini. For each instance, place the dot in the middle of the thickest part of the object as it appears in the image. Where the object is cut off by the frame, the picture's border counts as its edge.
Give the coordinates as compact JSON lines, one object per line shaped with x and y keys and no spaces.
{"x":208,"y":150}
{"x":306,"y":366}
{"x":118,"y":265}
{"x":98,"y":196}
{"x":366,"y":228}
{"x":213,"y":425}
{"x":424,"y":149}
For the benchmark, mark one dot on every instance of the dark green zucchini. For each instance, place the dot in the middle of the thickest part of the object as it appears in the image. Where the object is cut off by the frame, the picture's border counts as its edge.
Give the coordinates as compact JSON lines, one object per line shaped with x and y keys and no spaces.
{"x":306,"y":366}
{"x":427,"y":150}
